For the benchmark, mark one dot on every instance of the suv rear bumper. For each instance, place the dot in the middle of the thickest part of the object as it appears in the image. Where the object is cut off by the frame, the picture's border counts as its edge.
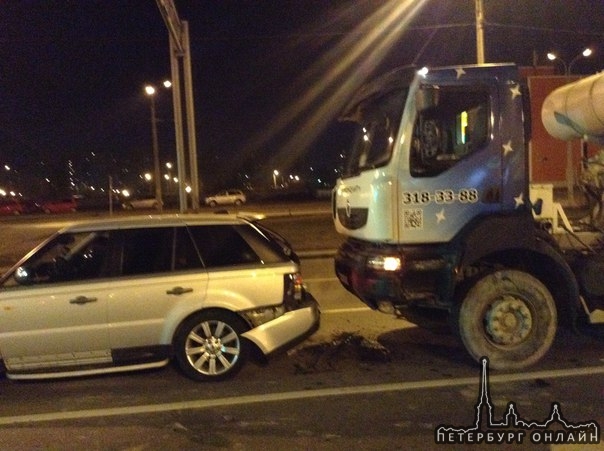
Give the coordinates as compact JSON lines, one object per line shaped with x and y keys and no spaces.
{"x":287,"y":330}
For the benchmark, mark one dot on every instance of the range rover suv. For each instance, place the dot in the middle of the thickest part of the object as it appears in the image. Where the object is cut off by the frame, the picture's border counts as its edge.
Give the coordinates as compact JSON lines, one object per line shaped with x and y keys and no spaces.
{"x":135,"y":293}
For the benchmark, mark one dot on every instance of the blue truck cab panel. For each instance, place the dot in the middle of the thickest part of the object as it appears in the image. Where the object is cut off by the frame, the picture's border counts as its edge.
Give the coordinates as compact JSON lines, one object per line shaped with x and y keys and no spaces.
{"x":443,"y":147}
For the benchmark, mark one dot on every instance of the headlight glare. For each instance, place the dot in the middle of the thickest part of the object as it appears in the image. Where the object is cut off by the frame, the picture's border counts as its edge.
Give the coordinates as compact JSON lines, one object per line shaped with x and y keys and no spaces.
{"x":385,"y":263}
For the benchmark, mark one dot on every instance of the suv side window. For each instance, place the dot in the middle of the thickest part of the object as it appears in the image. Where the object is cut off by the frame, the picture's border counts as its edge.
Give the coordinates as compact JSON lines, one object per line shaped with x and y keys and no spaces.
{"x":68,"y":257}
{"x":222,"y":245}
{"x":186,"y":255}
{"x":146,"y":251}
{"x":452,"y":128}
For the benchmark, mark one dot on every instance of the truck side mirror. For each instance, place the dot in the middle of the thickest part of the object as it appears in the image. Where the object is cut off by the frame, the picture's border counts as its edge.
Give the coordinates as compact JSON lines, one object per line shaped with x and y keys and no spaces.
{"x":426,"y":97}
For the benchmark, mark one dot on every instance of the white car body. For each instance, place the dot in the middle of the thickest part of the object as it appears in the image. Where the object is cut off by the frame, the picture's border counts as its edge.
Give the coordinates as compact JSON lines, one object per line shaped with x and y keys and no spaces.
{"x":126,"y":322}
{"x":141,"y":204}
{"x":227,"y":197}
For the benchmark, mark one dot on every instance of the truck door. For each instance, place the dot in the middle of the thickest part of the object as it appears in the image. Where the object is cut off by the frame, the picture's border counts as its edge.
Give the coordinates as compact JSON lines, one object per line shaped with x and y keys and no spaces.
{"x":453,"y":170}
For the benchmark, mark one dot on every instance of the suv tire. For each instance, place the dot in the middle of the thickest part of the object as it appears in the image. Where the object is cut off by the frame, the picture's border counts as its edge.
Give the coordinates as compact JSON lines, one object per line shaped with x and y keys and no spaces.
{"x":209,"y":346}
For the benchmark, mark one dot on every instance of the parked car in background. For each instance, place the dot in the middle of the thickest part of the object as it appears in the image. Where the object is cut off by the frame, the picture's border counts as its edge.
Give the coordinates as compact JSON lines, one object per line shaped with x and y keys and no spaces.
{"x":11,"y":206}
{"x":68,"y":205}
{"x":134,"y":293}
{"x":226,"y":197}
{"x":141,"y":204}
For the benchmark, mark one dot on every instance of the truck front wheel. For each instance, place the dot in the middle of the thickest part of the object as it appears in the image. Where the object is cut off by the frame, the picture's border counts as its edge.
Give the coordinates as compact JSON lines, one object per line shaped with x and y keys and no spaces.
{"x":508,"y":316}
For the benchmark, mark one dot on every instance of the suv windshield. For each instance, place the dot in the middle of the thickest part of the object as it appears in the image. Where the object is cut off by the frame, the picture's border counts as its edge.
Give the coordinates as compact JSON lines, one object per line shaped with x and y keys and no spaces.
{"x":374,"y":117}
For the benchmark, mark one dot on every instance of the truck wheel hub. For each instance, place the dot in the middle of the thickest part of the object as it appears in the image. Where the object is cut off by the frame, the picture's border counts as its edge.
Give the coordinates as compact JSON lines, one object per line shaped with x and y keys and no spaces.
{"x":509,"y":321}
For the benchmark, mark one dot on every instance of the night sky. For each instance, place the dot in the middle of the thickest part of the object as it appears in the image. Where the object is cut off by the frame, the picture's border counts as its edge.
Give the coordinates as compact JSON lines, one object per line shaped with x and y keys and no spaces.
{"x":270,"y":76}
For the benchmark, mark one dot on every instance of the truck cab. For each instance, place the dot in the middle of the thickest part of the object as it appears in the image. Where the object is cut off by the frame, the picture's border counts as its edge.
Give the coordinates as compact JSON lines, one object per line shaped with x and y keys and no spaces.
{"x":434,"y":202}
{"x":433,"y":151}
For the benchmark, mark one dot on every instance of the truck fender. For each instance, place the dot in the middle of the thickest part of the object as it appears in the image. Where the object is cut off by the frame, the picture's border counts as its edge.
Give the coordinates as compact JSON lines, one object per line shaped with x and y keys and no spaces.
{"x":565,"y":286}
{"x":508,"y":241}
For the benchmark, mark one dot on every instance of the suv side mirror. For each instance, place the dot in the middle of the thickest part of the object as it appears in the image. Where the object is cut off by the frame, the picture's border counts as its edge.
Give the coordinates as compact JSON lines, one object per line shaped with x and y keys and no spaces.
{"x":23,"y":275}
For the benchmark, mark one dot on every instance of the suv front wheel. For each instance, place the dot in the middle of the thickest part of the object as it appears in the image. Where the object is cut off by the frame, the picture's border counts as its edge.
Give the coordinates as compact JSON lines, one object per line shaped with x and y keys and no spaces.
{"x":209,"y":346}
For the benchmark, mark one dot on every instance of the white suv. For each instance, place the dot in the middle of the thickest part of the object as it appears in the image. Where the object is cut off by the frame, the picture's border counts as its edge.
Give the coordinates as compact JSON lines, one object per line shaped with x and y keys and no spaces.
{"x":227,"y":197}
{"x":120,"y":295}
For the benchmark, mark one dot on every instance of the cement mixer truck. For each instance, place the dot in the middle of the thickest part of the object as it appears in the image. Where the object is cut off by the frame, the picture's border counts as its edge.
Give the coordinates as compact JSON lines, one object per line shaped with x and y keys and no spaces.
{"x":441,"y":223}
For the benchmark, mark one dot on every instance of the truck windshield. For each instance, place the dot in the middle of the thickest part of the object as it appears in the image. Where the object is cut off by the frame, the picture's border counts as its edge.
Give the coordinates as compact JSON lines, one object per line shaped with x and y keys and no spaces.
{"x":374,"y":117}
{"x":374,"y":132}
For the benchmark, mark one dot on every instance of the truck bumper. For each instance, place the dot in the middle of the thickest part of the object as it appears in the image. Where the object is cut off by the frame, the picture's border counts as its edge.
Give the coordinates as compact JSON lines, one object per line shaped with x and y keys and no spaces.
{"x":368,"y":285}
{"x":424,"y":278}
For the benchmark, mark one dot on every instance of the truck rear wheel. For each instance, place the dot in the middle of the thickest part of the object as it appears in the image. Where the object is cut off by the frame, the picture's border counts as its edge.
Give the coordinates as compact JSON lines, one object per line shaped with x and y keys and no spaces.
{"x":508,"y":316}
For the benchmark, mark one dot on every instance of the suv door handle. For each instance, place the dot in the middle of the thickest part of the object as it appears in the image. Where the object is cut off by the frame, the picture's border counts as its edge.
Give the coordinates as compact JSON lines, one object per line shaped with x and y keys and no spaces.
{"x":81,"y":300}
{"x":179,"y":290}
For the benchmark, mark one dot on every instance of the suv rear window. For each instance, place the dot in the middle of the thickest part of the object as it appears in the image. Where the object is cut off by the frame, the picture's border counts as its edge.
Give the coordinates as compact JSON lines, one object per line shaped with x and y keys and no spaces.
{"x":222,"y":245}
{"x":270,"y":247}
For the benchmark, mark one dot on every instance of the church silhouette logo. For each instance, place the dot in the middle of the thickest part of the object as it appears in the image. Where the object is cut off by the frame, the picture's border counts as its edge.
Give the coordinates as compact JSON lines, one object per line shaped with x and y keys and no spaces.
{"x":513,"y":428}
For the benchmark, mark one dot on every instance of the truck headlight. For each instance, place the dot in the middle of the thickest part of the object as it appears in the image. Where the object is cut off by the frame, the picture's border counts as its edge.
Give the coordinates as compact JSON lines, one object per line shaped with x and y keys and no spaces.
{"x":385,"y":263}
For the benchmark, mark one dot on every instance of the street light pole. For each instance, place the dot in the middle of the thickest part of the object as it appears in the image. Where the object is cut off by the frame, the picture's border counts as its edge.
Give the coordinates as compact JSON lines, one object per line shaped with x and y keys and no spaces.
{"x":479,"y":13}
{"x":584,"y":54}
{"x":150,"y":90}
{"x":275,"y":174}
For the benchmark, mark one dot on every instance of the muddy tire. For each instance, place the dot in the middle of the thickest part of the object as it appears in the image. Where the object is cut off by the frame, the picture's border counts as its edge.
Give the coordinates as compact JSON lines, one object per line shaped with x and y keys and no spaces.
{"x":209,"y":347}
{"x":508,"y":316}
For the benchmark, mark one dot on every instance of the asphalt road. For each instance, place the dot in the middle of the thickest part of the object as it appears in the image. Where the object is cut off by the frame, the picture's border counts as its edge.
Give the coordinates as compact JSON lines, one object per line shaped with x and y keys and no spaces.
{"x":363,"y":381}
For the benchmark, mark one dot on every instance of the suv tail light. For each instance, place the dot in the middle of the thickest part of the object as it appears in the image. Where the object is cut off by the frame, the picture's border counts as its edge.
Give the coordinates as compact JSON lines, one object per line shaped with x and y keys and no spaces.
{"x":293,"y":295}
{"x":294,"y":291}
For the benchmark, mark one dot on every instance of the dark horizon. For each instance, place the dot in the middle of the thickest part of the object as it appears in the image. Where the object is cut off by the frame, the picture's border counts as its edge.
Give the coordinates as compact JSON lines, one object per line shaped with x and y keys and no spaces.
{"x":269,"y":77}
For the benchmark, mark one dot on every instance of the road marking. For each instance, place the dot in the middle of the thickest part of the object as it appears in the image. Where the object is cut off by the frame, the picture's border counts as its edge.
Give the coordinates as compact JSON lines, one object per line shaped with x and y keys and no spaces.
{"x":321,"y":279}
{"x":347,"y":310}
{"x":294,"y":395}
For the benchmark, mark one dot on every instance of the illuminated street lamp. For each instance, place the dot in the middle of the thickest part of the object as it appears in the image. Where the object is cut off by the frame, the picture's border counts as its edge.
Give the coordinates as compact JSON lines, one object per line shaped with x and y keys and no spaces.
{"x":570,"y":176}
{"x":148,"y":177}
{"x":168,"y":176}
{"x":151,"y":91}
{"x":586,"y":53}
{"x":275,"y":174}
